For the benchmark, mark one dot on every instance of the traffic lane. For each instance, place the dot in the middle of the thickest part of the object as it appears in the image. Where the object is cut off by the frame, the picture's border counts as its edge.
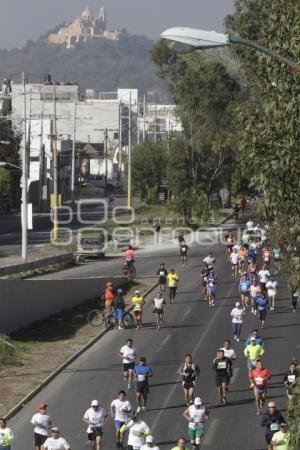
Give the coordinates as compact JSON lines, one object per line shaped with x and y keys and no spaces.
{"x":84,"y":380}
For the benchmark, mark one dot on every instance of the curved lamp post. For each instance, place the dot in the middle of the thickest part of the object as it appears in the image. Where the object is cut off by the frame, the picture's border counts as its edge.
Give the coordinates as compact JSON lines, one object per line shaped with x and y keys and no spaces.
{"x":185,"y":39}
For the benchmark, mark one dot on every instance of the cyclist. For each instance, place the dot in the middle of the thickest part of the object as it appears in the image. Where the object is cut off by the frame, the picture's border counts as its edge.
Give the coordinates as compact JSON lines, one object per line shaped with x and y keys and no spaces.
{"x":262,"y":307}
{"x":109,"y":298}
{"x":237,"y":317}
{"x":254,"y":291}
{"x":120,"y":410}
{"x":173,"y":280}
{"x":162,"y":273}
{"x":204,"y":274}
{"x":234,"y":259}
{"x":119,"y":306}
{"x":95,"y":417}
{"x":128,"y":355}
{"x":6,"y":435}
{"x":290,"y":378}
{"x":196,"y":415}
{"x":129,"y":257}
{"x":183,"y":252}
{"x":158,"y":303}
{"x":259,"y":377}
{"x":138,"y":303}
{"x":212,"y":281}
{"x":209,"y":260}
{"x":271,"y":287}
{"x":244,"y":290}
{"x":253,"y":352}
{"x":138,"y":431}
{"x":190,"y":372}
{"x":41,"y":423}
{"x":222,"y":366}
{"x":55,"y":442}
{"x":142,"y":374}
{"x":272,"y":419}
{"x":149,"y":443}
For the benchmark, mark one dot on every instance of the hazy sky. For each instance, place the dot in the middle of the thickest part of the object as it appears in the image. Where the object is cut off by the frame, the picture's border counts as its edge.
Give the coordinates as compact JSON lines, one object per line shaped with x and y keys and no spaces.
{"x":21,"y":20}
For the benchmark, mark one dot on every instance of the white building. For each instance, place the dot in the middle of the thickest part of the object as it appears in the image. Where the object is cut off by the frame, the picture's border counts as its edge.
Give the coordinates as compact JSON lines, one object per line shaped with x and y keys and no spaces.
{"x":158,"y":122}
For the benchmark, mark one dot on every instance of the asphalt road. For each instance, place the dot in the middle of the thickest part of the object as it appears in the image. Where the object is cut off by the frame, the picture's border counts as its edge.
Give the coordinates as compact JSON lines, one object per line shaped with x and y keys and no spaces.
{"x":191,"y":327}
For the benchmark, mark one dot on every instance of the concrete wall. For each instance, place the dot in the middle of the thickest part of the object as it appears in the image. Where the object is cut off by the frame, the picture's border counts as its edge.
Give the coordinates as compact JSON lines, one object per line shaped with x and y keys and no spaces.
{"x":23,"y":302}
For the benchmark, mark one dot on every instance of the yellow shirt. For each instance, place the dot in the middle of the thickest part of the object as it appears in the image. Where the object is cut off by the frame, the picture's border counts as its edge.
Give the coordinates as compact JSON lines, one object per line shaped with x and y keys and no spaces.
{"x":254,"y":352}
{"x":280,"y":440}
{"x":138,"y":302}
{"x":173,"y":279}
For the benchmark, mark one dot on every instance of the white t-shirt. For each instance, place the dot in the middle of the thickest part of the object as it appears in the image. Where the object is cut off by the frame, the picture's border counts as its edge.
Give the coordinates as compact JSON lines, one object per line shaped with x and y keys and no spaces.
{"x":237,"y":315}
{"x":137,"y":431}
{"x":158,"y":303}
{"x":41,"y":423}
{"x":272,"y":287}
{"x":250,"y":225}
{"x":96,"y":418}
{"x":229,"y":353}
{"x":128,"y":354}
{"x":5,"y":433}
{"x":209,"y":260}
{"x":263,"y":275}
{"x":146,"y":447}
{"x":56,"y":444}
{"x":198,"y":416}
{"x":122,"y":409}
{"x":234,"y":258}
{"x":236,"y":247}
{"x":254,"y":290}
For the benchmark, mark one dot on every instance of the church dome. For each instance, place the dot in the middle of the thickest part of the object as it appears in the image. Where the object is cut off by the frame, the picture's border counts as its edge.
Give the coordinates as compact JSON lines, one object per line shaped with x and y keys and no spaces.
{"x":87,"y":14}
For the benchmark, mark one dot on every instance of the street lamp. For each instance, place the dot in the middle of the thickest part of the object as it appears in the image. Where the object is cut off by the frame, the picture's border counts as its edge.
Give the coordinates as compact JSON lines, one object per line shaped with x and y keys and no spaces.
{"x":185,"y":39}
{"x":24,"y":209}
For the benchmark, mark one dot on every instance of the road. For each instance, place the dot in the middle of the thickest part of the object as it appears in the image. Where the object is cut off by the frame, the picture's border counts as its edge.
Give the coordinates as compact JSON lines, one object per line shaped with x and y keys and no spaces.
{"x":191,"y":327}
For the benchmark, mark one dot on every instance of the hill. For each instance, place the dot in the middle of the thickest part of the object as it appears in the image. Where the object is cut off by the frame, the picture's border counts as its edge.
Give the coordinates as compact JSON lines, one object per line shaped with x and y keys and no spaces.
{"x":101,"y":65}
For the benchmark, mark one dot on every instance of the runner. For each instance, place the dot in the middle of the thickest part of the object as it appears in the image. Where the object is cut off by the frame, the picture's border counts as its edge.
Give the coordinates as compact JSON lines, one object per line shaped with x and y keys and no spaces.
{"x":250,"y":225}
{"x":290,"y":378}
{"x":253,"y":352}
{"x":222,"y":367}
{"x":196,"y":415}
{"x":119,"y":306}
{"x":190,"y":372}
{"x":158,"y":310}
{"x":234,"y":259}
{"x":162,"y":273}
{"x":41,"y":425}
{"x":271,"y":420}
{"x":244,"y":291}
{"x":237,"y":316}
{"x":180,"y":239}
{"x":149,"y":444}
{"x":138,"y":303}
{"x":156,"y":227}
{"x":230,"y":241}
{"x":173,"y":280}
{"x":128,"y":355}
{"x":120,"y":410}
{"x":251,"y":271}
{"x":231,"y":355}
{"x":204,"y":274}
{"x":295,"y":293}
{"x":259,"y":340}
{"x":95,"y":417}
{"x":243,"y":254}
{"x":212,"y":281}
{"x":271,"y":287}
{"x":181,"y":444}
{"x":255,"y":291}
{"x":138,"y":431}
{"x":55,"y":442}
{"x":276,"y":255}
{"x":281,"y":439}
{"x":266,"y":256}
{"x":259,"y":378}
{"x":262,"y":308}
{"x":183,"y":252}
{"x":129,"y":256}
{"x":6,"y":435}
{"x":142,"y":374}
{"x":209,"y":260}
{"x":263,"y":276}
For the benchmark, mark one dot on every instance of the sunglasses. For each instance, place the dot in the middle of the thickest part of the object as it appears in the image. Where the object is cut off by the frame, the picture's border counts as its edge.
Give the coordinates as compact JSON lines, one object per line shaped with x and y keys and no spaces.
{"x":54,"y":431}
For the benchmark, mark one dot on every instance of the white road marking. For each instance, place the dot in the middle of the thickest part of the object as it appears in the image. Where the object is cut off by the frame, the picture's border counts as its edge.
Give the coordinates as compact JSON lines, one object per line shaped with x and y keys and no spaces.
{"x":187,"y":312}
{"x":165,"y":340}
{"x":210,"y":434}
{"x":235,"y":372}
{"x":209,"y":326}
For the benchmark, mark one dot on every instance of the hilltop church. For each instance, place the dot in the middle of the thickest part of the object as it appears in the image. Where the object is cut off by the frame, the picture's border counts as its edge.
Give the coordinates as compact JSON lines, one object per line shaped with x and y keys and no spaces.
{"x":84,"y":28}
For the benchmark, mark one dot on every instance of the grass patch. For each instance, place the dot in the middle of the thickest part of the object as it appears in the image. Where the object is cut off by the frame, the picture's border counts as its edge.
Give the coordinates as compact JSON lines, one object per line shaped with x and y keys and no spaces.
{"x":9,"y":352}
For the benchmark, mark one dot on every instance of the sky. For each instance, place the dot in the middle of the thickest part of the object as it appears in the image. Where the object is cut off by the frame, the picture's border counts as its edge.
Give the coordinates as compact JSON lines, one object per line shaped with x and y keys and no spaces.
{"x":21,"y":20}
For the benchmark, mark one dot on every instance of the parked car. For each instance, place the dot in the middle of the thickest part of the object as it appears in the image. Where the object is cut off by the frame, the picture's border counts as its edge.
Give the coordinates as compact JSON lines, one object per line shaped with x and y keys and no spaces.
{"x":90,"y":248}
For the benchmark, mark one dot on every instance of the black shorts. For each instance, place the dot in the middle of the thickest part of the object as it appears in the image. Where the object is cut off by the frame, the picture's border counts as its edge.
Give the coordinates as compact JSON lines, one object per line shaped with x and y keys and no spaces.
{"x":262,"y":314}
{"x":128,"y":366}
{"x":158,"y":311}
{"x":221,"y":379}
{"x":39,"y":439}
{"x":142,"y":387}
{"x":188,"y":385}
{"x":183,"y":253}
{"x":95,"y":433}
{"x":162,"y":280}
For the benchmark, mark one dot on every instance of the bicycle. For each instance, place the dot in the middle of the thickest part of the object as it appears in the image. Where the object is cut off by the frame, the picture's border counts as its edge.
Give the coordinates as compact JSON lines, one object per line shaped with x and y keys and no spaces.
{"x":129,"y":272}
{"x":98,"y":317}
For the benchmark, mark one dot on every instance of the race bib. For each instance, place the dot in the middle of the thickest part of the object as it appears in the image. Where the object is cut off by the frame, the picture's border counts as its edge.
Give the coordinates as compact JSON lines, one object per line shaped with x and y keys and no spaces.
{"x":259,"y":381}
{"x":162,"y":274}
{"x":141,"y":378}
{"x":274,"y":427}
{"x":204,"y":278}
{"x":291,"y":378}
{"x":222,"y":365}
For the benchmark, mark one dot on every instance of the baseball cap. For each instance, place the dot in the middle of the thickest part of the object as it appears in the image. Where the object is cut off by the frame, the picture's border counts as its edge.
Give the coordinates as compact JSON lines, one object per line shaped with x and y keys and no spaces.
{"x":95,"y":403}
{"x":149,"y":439}
{"x":137,"y":292}
{"x":55,"y":429}
{"x":252,"y":339}
{"x":197,"y":401}
{"x":42,"y":406}
{"x":238,"y":304}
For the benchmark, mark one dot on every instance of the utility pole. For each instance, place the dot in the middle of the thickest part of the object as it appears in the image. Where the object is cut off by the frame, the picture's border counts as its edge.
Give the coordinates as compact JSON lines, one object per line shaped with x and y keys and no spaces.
{"x":105,"y":155}
{"x":129,"y":155}
{"x":120,"y":138}
{"x":73,"y":156}
{"x":41,"y":178}
{"x":24,"y":207}
{"x":138,"y":122}
{"x":55,"y":174}
{"x":144,"y":119}
{"x":155,"y":118}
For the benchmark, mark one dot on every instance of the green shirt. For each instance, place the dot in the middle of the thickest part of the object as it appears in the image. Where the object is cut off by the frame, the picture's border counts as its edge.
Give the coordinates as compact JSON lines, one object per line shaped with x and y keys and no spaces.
{"x":280,"y":440}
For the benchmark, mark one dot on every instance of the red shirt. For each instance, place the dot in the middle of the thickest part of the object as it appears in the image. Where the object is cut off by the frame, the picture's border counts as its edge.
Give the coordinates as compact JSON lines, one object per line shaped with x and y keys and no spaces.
{"x":260,"y":377}
{"x":109,"y":296}
{"x":129,"y":255}
{"x":266,"y":255}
